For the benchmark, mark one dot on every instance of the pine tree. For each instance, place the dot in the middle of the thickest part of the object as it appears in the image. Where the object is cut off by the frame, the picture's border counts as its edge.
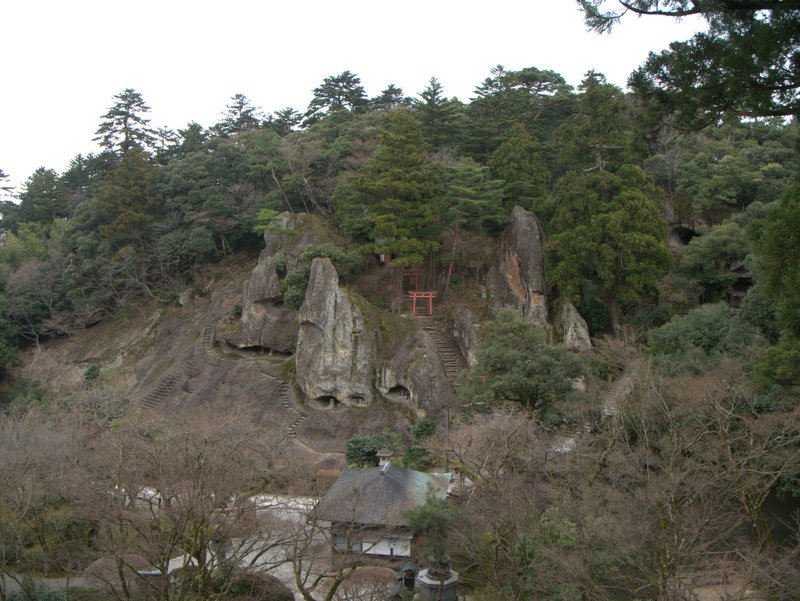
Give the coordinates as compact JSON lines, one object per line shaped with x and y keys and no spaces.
{"x":598,"y":136}
{"x":239,"y":115}
{"x":473,"y":199}
{"x":401,"y":183}
{"x":338,"y":92}
{"x":438,"y":115}
{"x":608,"y":231}
{"x":124,"y":126}
{"x":126,"y":198}
{"x":43,"y":197}
{"x":391,"y":97}
{"x":518,"y":163}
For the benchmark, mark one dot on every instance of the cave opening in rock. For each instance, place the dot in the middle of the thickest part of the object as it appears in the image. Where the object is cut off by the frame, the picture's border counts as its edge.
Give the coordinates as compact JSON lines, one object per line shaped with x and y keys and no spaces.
{"x":398,"y":393}
{"x":327,"y":401}
{"x":358,"y":400}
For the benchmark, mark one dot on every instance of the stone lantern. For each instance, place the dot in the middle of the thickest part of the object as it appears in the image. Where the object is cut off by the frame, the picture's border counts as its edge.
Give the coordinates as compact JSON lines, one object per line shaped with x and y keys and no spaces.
{"x":437,"y":582}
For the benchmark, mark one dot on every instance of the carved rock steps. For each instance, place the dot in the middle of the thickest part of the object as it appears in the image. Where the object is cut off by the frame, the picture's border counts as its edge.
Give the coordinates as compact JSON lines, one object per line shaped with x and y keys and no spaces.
{"x":299,"y":415}
{"x":448,"y":357}
{"x":173,"y":380}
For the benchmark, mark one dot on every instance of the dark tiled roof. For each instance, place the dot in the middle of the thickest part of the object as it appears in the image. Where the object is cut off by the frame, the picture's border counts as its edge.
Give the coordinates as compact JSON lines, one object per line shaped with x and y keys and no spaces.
{"x":371,"y":498}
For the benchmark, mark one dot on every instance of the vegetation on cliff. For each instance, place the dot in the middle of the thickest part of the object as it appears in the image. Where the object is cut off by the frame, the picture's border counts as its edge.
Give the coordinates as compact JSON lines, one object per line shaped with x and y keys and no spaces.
{"x":683,"y":242}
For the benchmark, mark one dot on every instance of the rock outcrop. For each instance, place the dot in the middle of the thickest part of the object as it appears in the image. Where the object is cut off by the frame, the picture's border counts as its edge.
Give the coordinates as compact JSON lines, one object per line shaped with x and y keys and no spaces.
{"x":414,"y":376}
{"x":336,"y":351}
{"x":464,"y":328}
{"x":266,"y":322}
{"x":519,"y":283}
{"x":576,"y":332}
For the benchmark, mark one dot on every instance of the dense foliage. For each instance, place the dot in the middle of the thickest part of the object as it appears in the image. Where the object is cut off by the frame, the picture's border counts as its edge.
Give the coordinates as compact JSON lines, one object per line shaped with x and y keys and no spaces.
{"x":423,"y":180}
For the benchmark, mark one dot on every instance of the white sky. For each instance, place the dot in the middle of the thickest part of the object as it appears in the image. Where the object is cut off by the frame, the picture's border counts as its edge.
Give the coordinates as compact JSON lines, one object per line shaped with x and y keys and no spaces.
{"x":63,"y":61}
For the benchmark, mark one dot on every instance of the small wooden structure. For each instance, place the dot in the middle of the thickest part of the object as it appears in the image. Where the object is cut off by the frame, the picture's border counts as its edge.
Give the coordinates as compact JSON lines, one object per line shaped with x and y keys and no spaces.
{"x":365,"y":509}
{"x":415,"y":294}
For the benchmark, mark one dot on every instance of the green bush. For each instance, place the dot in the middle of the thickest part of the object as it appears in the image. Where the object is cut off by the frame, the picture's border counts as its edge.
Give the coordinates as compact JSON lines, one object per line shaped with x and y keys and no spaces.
{"x":361,"y":450}
{"x":91,"y":374}
{"x":515,"y":364}
{"x":758,"y":309}
{"x":423,"y":427}
{"x":697,"y":340}
{"x":779,"y":365}
{"x":296,"y":282}
{"x":347,"y":263}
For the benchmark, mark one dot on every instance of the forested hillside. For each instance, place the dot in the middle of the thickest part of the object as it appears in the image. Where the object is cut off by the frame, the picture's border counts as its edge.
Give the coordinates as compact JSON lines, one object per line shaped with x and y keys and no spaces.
{"x":595,"y":166}
{"x":664,"y":454}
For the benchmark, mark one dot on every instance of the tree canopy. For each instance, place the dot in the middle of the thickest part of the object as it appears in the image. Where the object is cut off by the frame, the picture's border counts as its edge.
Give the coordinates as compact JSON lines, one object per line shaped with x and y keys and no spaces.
{"x":125,"y":126}
{"x":747,"y":63}
{"x":607,"y":231}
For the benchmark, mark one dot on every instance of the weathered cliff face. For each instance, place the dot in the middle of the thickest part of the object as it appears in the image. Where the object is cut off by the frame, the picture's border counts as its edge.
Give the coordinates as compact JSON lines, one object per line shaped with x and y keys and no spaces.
{"x":465,"y":331}
{"x":413,"y":376}
{"x":519,"y":283}
{"x":336,"y":352}
{"x":266,"y":322}
{"x":575,"y":330}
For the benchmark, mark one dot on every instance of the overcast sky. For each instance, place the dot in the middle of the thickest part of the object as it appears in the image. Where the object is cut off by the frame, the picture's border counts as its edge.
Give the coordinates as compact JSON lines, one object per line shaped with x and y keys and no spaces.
{"x":63,"y":61}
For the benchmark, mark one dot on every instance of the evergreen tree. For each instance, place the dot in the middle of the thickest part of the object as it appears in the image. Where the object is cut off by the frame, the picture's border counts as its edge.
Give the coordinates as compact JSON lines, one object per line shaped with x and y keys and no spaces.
{"x":438,"y":115}
{"x":777,"y":244}
{"x":473,"y":199}
{"x":608,"y":231}
{"x":515,"y":364}
{"x":539,"y":99}
{"x":239,"y":116}
{"x":391,"y":97}
{"x":401,"y":184}
{"x":8,"y":336}
{"x":193,"y":138}
{"x":285,"y":121}
{"x":343,"y":91}
{"x":745,"y":63}
{"x":126,"y":197}
{"x":125,"y":126}
{"x":707,"y":260}
{"x":43,"y":197}
{"x":3,"y":185}
{"x":517,"y":162}
{"x":598,"y":136}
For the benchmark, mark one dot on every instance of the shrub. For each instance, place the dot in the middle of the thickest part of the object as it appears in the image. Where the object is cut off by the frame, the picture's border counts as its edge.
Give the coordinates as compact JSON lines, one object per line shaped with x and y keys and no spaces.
{"x":296,"y":283}
{"x":91,"y":374}
{"x":695,"y":341}
{"x":361,"y":450}
{"x":779,"y":364}
{"x":514,"y":364}
{"x":423,"y":427}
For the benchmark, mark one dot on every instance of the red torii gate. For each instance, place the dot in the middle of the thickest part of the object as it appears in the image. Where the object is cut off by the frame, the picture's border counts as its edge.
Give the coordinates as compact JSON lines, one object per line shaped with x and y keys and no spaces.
{"x":412,"y":273}
{"x":415,"y":294}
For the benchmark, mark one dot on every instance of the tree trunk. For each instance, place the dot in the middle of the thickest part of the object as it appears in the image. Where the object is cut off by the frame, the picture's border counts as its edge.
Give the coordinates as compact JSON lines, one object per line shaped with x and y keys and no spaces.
{"x":611,"y":309}
{"x":285,"y":198}
{"x":452,"y":260}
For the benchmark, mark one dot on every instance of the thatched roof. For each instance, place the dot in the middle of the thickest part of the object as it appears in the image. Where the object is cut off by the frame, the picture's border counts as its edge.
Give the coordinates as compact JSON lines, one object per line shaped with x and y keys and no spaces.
{"x":378,"y":496}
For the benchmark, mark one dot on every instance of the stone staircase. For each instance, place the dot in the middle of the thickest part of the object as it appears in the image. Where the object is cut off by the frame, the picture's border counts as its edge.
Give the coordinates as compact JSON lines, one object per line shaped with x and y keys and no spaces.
{"x":448,"y":356}
{"x":298,"y":414}
{"x":622,"y":388}
{"x":170,"y":383}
